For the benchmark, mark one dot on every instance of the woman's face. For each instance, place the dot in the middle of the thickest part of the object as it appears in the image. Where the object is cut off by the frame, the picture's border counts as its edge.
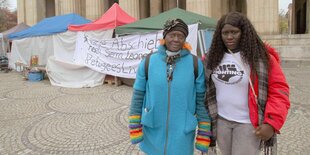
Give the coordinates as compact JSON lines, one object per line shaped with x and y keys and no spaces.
{"x":231,"y":36}
{"x":174,"y":40}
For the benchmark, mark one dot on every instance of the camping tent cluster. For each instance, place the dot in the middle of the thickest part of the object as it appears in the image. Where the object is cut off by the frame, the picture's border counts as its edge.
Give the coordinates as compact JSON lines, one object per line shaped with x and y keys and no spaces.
{"x":41,"y":40}
{"x":54,"y":41}
{"x":38,"y":39}
{"x":54,"y":45}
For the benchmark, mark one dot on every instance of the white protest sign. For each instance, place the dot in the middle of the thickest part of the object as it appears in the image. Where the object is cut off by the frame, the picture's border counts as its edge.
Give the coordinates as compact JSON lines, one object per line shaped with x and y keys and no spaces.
{"x":121,"y":56}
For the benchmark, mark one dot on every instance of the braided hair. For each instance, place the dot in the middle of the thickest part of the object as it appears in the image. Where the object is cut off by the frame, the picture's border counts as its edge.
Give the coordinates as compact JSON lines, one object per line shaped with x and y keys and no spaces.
{"x":251,"y":46}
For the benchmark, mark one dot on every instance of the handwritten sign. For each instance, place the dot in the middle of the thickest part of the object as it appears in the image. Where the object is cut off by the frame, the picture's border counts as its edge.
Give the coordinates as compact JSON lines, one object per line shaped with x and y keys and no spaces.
{"x":120,"y":56}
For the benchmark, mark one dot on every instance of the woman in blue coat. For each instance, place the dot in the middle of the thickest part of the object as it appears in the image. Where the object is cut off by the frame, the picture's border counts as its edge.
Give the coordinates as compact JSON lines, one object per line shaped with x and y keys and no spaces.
{"x":168,"y":99}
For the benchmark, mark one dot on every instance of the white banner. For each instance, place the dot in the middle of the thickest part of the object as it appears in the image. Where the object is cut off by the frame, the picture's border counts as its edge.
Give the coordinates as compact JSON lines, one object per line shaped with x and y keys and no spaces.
{"x":121,"y":56}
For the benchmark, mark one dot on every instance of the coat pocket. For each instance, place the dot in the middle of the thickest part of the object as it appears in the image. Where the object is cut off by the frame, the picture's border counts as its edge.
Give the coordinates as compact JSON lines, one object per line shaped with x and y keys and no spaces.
{"x":147,"y":118}
{"x":190,"y":122}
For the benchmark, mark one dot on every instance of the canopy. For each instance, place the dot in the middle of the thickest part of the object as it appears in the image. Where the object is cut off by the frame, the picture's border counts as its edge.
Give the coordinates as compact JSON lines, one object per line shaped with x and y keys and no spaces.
{"x":52,"y":25}
{"x":156,"y":23}
{"x":17,"y":28}
{"x":114,"y":17}
{"x":4,"y":42}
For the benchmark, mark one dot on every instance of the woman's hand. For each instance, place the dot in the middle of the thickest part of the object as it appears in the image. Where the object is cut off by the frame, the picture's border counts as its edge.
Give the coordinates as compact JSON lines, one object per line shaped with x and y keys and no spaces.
{"x":264,"y":132}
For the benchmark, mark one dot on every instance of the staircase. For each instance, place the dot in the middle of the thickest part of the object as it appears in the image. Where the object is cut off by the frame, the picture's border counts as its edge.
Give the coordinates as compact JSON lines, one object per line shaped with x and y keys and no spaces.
{"x":294,"y":50}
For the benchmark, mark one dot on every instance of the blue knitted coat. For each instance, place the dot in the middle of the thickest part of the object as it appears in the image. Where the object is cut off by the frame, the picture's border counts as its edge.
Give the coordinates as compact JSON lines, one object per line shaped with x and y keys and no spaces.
{"x":169,"y":121}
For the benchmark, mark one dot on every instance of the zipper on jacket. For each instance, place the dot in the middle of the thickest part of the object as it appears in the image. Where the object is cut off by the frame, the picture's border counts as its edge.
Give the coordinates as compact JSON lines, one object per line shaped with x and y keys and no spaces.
{"x":167,"y":120}
{"x":169,"y":78}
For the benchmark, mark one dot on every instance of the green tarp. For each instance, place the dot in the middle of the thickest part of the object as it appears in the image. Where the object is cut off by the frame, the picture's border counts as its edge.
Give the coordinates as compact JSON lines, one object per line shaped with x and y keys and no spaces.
{"x":156,"y":23}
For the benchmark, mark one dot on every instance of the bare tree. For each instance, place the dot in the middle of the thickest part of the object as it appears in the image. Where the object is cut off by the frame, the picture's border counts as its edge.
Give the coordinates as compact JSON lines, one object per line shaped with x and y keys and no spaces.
{"x":8,"y":18}
{"x":283,"y":22}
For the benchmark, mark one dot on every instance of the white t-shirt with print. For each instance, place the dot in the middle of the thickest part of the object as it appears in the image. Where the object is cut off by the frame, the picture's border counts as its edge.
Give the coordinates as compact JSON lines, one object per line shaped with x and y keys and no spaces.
{"x":231,"y":83}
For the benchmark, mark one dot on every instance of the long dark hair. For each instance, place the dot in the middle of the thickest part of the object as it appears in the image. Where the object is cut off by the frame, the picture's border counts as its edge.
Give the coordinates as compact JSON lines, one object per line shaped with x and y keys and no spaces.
{"x":251,"y":46}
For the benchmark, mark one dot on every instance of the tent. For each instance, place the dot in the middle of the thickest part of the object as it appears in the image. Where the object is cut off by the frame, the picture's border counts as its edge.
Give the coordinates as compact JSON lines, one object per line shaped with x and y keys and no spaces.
{"x":19,"y":27}
{"x":49,"y":26}
{"x":51,"y":38}
{"x":206,"y":26}
{"x":61,"y":68}
{"x":38,"y":39}
{"x":111,"y":19}
{"x":4,"y":42}
{"x":156,"y":23}
{"x":61,"y":71}
{"x":100,"y":29}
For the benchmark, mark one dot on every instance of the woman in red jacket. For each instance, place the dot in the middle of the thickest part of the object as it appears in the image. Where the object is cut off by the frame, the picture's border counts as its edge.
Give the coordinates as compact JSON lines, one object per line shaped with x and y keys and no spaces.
{"x":247,"y":93}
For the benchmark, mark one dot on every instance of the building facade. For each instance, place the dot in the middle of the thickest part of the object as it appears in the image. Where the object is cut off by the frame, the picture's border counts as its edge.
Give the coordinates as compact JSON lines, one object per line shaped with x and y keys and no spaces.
{"x":299,"y":17}
{"x":262,"y":13}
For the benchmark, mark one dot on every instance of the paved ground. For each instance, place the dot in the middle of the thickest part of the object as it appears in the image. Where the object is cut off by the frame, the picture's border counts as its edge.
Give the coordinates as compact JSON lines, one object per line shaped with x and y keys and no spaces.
{"x":37,"y":118}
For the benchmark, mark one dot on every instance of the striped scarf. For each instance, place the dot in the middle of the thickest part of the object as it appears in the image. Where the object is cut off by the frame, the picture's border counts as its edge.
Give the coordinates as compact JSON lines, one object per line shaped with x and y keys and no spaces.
{"x":268,"y":147}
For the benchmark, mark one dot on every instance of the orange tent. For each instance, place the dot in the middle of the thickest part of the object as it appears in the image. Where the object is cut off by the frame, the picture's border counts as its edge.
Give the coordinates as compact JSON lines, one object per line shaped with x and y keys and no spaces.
{"x":112,"y":18}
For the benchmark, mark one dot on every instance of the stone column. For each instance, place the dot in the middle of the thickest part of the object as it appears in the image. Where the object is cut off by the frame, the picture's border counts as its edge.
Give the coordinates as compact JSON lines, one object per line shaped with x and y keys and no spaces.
{"x":290,"y":18}
{"x":68,"y":6}
{"x":144,"y":9}
{"x":34,"y":13}
{"x":264,"y":16}
{"x":106,"y":5}
{"x":94,"y":9}
{"x":156,"y":7}
{"x":217,"y":9}
{"x":169,"y":4}
{"x":202,"y":7}
{"x":308,"y":17}
{"x":83,"y":7}
{"x":225,"y":7}
{"x":131,"y":7}
{"x":293,"y":18}
{"x":50,"y":8}
{"x":182,"y":4}
{"x":21,"y":12}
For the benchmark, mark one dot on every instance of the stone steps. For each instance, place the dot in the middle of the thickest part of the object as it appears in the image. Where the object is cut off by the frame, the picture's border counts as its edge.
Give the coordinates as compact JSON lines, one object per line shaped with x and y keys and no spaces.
{"x":293,"y":63}
{"x":287,"y":40}
{"x":294,"y":56}
{"x":294,"y":50}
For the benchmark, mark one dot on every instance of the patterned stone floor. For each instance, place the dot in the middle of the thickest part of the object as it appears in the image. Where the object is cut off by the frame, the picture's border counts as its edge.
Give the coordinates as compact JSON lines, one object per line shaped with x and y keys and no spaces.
{"x":37,"y":118}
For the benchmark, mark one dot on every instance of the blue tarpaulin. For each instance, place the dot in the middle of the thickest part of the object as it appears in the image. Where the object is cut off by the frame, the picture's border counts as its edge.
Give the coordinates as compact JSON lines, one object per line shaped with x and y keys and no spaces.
{"x":51,"y":25}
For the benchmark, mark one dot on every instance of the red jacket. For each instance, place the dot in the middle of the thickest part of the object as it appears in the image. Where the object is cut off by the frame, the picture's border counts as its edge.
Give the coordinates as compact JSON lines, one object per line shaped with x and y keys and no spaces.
{"x":278,"y":103}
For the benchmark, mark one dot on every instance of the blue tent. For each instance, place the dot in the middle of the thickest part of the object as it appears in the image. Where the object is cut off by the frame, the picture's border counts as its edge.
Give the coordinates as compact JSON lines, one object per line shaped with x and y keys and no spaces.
{"x":51,"y":25}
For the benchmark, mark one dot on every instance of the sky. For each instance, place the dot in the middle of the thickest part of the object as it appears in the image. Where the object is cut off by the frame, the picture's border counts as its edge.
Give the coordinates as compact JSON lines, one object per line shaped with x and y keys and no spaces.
{"x":283,"y":4}
{"x":12,"y":4}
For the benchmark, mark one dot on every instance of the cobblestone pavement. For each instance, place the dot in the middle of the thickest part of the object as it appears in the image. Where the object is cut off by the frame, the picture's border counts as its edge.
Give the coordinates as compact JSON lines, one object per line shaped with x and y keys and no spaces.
{"x":37,"y":118}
